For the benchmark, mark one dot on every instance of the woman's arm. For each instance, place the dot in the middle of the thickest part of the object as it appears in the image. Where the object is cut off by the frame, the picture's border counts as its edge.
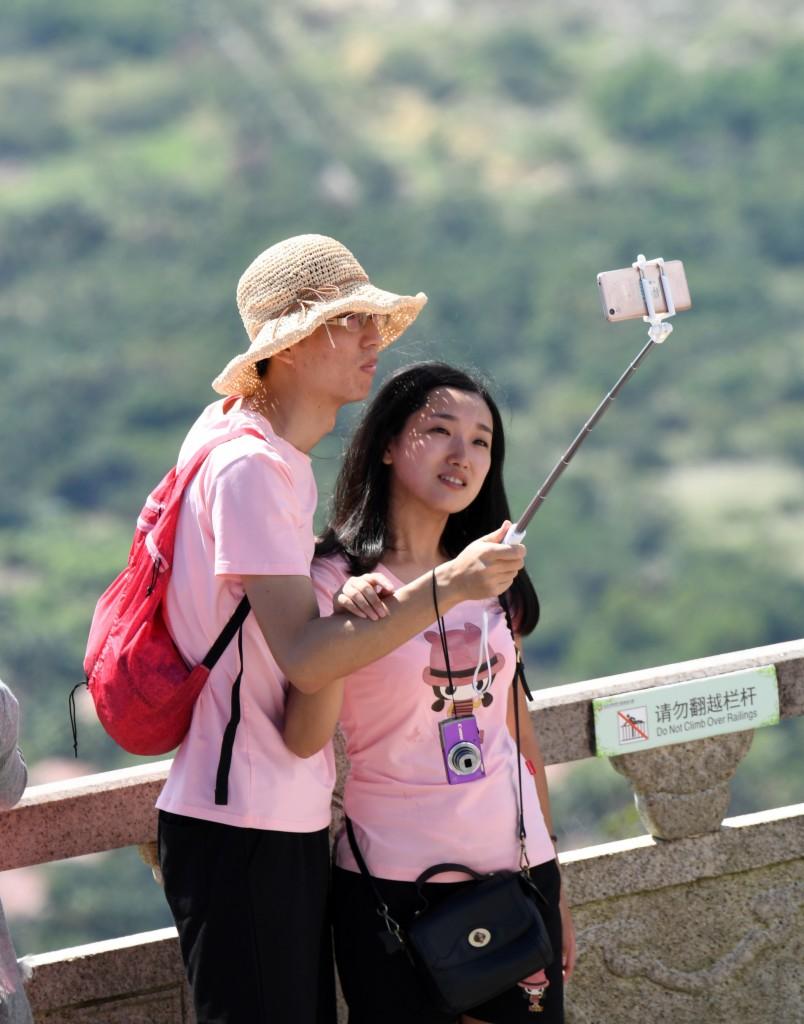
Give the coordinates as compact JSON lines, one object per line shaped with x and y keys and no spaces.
{"x":310,"y":718}
{"x":532,"y":752}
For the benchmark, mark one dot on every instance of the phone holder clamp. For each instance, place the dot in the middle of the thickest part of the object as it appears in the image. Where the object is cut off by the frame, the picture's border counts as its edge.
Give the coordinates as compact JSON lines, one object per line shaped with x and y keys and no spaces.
{"x":659,"y":331}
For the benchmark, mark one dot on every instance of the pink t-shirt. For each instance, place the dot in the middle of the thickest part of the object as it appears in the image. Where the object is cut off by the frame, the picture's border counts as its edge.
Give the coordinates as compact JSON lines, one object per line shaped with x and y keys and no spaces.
{"x":407,"y":816}
{"x":248,"y":512}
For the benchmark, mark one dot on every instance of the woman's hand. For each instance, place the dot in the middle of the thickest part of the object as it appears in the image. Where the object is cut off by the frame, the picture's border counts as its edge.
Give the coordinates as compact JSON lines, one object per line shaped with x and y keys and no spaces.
{"x":363,"y":596}
{"x":569,"y":951}
{"x":486,"y":567}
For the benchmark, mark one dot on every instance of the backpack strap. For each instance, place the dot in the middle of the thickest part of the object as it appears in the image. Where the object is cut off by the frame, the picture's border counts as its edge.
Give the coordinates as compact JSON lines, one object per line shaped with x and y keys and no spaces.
{"x":232,"y":627}
{"x":227,"y":743}
{"x":189,"y":470}
{"x":227,"y":634}
{"x":159,"y":519}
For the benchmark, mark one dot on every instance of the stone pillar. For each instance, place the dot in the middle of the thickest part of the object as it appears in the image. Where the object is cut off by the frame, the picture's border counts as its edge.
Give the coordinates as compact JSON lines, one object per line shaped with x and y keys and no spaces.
{"x":683,"y":789}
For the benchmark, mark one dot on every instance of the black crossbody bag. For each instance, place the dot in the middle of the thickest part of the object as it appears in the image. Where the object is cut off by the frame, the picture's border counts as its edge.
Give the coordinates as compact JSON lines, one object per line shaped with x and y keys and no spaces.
{"x":484,"y":937}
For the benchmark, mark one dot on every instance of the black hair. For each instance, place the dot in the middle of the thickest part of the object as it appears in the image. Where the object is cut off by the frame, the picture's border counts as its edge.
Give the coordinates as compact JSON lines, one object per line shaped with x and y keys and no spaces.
{"x":358,"y":520}
{"x":261,"y":366}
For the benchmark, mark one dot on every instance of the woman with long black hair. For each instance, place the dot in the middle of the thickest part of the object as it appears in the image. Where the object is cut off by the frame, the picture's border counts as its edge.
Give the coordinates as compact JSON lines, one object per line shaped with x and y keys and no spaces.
{"x":421,"y":478}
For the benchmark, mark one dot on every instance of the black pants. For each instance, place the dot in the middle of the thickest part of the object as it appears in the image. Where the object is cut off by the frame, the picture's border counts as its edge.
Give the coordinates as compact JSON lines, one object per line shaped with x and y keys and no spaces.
{"x":384,"y":989}
{"x":251,"y":910}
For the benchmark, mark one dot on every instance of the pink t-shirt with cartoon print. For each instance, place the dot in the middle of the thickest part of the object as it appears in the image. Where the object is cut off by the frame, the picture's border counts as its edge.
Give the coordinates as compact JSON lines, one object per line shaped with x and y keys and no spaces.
{"x":249,"y":511}
{"x":398,"y":720}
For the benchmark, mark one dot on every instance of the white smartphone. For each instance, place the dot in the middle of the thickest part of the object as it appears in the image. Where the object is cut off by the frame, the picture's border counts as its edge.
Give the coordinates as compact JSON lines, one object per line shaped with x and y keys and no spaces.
{"x":621,"y":293}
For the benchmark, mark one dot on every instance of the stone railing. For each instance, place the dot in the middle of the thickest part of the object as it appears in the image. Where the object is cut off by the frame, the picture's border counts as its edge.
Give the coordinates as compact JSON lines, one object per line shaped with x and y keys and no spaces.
{"x":700,"y":921}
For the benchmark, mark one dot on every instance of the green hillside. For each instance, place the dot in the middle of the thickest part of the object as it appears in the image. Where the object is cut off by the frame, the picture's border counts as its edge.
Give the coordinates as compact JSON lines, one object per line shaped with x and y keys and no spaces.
{"x":496,"y":156}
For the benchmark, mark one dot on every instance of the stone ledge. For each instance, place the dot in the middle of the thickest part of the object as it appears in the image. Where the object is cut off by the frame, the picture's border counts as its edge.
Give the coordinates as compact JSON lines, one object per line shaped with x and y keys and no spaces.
{"x":115,"y":809}
{"x":104,"y":971}
{"x":645,"y":864}
{"x":627,"y":956}
{"x":85,"y":815}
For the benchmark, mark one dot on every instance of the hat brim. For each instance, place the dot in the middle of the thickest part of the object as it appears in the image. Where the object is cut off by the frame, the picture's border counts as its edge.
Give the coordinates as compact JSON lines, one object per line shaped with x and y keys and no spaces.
{"x":239,"y":376}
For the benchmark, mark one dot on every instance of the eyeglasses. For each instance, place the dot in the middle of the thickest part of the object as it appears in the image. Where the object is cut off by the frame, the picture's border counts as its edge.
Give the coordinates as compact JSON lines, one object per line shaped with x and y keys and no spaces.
{"x":355,"y":322}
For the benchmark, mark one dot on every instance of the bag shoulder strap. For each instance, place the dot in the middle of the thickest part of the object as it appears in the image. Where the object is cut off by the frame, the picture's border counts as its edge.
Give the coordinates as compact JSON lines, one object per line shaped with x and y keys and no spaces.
{"x":519,"y":671}
{"x":358,"y":856}
{"x":519,"y":677}
{"x":396,"y":940}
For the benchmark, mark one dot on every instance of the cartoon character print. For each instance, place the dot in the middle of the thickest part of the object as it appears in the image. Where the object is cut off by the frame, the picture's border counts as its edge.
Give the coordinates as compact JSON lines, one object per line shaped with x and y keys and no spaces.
{"x":473,"y":670}
{"x":534,"y":988}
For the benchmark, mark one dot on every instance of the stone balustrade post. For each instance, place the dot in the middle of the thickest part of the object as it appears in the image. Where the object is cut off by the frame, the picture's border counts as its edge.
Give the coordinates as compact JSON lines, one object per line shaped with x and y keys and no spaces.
{"x":684,"y":789}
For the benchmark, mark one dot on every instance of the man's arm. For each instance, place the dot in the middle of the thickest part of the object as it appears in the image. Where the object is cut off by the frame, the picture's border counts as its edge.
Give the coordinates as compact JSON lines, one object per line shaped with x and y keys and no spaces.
{"x":313,"y":652}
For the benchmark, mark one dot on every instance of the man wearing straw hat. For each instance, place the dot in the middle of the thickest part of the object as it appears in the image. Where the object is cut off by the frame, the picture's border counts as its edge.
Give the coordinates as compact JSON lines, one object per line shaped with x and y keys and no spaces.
{"x":243,"y":823}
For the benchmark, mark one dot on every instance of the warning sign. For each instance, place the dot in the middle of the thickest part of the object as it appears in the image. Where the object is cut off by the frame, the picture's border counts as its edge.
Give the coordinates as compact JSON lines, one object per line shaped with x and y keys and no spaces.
{"x":633,"y":725}
{"x":686,"y":711}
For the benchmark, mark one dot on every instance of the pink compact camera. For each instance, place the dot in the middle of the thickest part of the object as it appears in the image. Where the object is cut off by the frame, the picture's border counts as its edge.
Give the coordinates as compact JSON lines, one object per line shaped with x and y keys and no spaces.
{"x":460,"y":743}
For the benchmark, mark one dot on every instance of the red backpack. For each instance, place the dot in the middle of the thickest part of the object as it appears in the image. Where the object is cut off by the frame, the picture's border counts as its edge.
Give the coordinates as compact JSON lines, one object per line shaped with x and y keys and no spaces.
{"x":142,"y":688}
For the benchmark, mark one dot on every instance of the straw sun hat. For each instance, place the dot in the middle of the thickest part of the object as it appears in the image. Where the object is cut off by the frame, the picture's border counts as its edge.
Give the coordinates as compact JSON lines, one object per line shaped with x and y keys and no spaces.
{"x":294,"y":287}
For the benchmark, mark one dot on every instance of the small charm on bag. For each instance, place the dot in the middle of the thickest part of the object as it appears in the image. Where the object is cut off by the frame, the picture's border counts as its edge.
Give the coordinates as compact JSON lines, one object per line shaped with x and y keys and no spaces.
{"x":534,"y":988}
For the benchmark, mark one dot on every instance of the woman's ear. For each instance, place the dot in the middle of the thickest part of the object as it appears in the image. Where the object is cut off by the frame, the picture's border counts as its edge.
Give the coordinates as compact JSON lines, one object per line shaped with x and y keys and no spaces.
{"x":386,"y":457}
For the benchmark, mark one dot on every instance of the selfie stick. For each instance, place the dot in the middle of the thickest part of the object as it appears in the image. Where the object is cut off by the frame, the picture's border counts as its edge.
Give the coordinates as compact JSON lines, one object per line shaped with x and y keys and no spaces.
{"x":658,"y":333}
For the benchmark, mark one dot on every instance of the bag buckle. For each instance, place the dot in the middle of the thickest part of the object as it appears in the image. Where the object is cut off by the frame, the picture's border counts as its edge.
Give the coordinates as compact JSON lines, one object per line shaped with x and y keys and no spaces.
{"x":392,"y":939}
